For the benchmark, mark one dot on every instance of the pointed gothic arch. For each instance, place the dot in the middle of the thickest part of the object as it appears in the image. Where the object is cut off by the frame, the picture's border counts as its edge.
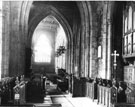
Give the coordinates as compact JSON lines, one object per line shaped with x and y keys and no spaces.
{"x":86,"y":16}
{"x":50,"y":10}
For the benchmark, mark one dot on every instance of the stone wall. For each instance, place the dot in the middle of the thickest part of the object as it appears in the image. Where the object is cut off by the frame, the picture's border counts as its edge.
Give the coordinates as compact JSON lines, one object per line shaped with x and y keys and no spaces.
{"x":16,"y":63}
{"x":5,"y":38}
{"x":13,"y":49}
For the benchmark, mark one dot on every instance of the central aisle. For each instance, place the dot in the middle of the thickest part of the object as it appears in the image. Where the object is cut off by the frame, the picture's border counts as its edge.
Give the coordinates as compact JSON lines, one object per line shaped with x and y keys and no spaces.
{"x":56,"y":98}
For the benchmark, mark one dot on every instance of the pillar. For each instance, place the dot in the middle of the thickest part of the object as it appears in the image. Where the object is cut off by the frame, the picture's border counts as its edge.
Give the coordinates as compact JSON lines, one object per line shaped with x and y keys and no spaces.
{"x":108,"y":71}
{"x":109,"y":34}
{"x":102,"y":67}
{"x":0,"y":38}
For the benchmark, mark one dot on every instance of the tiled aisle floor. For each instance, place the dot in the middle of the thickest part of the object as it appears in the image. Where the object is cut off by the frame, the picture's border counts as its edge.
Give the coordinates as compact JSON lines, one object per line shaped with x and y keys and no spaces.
{"x":67,"y":101}
{"x":55,"y":97}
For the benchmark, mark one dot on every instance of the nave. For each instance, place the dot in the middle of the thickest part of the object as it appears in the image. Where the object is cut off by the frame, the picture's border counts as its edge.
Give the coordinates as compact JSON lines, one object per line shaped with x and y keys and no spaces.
{"x":87,"y":48}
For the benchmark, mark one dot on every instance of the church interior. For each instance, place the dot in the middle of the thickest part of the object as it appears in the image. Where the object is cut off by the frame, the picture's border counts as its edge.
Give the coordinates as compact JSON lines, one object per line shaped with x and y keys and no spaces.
{"x":67,"y":53}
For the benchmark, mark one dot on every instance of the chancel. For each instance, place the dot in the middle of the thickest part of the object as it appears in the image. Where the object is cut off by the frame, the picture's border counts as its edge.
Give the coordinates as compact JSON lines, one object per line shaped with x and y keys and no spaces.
{"x":67,"y":53}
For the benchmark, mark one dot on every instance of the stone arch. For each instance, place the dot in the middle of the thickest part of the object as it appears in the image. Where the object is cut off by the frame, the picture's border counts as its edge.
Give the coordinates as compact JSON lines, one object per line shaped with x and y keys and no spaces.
{"x":24,"y":15}
{"x":52,"y":11}
{"x":26,"y":5}
{"x":86,"y":16}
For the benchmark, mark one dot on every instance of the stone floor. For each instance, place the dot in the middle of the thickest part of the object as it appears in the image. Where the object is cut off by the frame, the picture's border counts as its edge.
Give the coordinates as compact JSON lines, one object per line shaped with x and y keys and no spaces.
{"x":55,"y":98}
{"x":67,"y":101}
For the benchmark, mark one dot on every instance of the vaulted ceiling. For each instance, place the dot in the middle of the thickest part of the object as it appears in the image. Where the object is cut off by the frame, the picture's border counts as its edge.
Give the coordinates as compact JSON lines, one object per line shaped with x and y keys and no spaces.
{"x":50,"y":24}
{"x":67,"y":9}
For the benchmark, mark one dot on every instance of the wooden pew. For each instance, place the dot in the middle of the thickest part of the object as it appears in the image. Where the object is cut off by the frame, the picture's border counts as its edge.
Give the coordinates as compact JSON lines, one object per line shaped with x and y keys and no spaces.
{"x":35,"y":85}
{"x":63,"y":80}
{"x":76,"y":87}
{"x":121,"y":92}
{"x":124,"y":105}
{"x":107,"y":92}
{"x":6,"y":90}
{"x":62,"y":84}
{"x":20,"y":91}
{"x":22,"y":105}
{"x":91,"y":89}
{"x":110,"y":95}
{"x":83,"y":86}
{"x":23,"y":93}
{"x":107,"y":95}
{"x":130,"y":93}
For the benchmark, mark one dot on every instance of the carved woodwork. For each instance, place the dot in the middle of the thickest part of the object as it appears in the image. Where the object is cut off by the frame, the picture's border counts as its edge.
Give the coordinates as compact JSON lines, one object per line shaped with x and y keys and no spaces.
{"x":107,"y":96}
{"x":129,"y":74}
{"x":130,"y":93}
{"x":91,"y":89}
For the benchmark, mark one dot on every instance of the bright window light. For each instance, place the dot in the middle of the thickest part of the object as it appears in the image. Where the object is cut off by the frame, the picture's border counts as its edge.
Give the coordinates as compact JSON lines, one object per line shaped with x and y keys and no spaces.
{"x":42,"y":50}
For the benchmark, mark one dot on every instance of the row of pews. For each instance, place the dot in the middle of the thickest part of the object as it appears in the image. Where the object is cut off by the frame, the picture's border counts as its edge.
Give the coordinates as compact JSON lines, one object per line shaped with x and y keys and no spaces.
{"x":62,"y":80}
{"x":18,"y":91}
{"x":11,"y":89}
{"x":105,"y":92}
{"x":35,"y":88}
{"x":6,"y":90}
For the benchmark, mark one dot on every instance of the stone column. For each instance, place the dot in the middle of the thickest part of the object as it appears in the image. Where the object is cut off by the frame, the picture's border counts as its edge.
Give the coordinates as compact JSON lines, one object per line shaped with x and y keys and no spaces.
{"x":103,"y":64}
{"x":109,"y":33}
{"x":108,"y":76}
{"x":0,"y":38}
{"x":5,"y":38}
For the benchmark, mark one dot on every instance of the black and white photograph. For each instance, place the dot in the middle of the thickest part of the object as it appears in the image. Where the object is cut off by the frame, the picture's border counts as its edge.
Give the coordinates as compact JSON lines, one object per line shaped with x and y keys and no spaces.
{"x":67,"y":53}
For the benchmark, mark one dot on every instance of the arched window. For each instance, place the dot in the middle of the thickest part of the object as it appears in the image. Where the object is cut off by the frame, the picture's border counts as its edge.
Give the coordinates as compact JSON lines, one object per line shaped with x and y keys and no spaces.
{"x":130,"y":18}
{"x":42,"y":50}
{"x":129,"y":31}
